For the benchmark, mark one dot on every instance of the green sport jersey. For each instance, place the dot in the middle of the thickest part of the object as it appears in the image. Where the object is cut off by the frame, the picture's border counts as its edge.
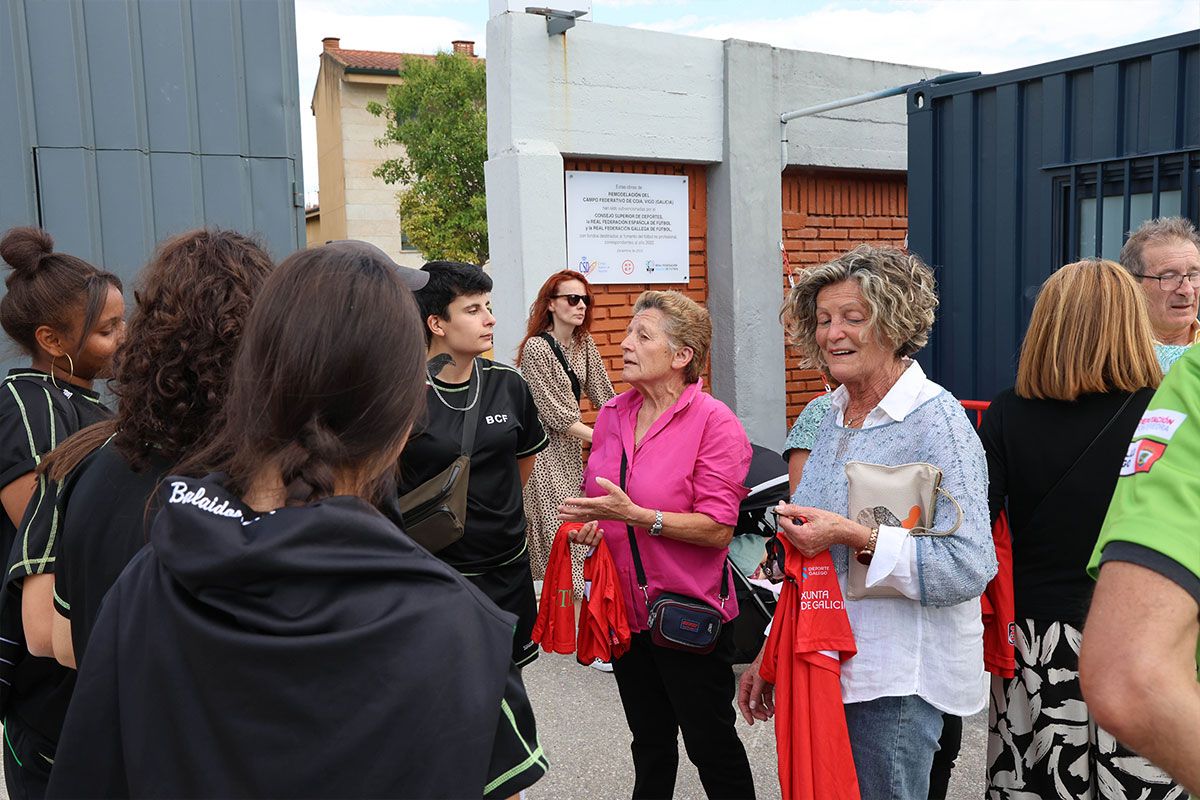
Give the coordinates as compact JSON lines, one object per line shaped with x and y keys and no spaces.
{"x":1157,"y":501}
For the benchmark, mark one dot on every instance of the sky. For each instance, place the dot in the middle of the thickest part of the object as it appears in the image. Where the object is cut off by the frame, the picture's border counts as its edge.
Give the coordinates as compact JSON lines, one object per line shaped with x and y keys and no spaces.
{"x":958,"y":35}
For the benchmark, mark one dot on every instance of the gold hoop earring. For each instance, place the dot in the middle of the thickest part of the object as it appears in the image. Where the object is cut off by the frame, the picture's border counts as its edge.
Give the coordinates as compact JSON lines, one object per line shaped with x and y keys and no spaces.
{"x":70,"y":364}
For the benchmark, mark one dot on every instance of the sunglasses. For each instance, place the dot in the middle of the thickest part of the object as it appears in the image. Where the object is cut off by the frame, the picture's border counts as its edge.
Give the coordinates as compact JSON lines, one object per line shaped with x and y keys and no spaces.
{"x":574,"y":299}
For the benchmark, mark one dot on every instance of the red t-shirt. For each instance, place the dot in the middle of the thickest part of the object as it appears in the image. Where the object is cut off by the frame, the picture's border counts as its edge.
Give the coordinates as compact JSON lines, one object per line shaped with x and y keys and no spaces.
{"x":999,"y":613}
{"x":809,"y":639}
{"x":554,"y":629}
{"x":603,"y":622}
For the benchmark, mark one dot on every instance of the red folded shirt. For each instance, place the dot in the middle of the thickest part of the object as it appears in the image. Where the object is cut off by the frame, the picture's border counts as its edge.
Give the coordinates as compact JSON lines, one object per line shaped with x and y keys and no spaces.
{"x":603,"y":624}
{"x":810,"y":637}
{"x":999,"y":614}
{"x":554,"y":628}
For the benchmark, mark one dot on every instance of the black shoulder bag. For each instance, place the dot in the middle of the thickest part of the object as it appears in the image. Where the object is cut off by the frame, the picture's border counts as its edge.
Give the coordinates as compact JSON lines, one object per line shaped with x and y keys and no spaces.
{"x":435,"y":513}
{"x":576,"y":386}
{"x":676,"y":621}
{"x":1112,"y":421}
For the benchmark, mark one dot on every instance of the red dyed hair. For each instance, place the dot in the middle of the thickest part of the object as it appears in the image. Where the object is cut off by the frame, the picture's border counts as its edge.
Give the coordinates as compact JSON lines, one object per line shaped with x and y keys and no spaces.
{"x":539,"y":313}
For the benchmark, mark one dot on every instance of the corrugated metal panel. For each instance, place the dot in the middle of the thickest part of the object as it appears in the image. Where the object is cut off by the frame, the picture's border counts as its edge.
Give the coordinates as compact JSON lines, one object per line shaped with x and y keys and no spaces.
{"x":111,"y":206}
{"x":17,"y":199}
{"x":1013,"y":175}
{"x":136,"y":119}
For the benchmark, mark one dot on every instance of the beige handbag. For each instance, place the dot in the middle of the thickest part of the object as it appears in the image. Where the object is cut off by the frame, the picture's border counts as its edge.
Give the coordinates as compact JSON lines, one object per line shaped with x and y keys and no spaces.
{"x":903,"y":496}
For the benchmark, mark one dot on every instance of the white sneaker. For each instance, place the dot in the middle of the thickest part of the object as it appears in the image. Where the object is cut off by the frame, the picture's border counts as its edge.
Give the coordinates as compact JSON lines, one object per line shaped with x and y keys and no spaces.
{"x":603,"y":666}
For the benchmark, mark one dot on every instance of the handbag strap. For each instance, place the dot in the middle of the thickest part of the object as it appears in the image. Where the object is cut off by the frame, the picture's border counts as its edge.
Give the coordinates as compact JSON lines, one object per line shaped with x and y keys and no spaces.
{"x":1086,"y":450}
{"x":576,"y":387}
{"x":471,"y":415}
{"x":637,"y":556}
{"x":957,"y":523}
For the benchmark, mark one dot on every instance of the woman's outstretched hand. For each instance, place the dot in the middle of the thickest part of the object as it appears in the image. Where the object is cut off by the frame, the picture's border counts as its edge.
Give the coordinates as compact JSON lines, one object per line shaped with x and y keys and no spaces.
{"x":614,"y":505}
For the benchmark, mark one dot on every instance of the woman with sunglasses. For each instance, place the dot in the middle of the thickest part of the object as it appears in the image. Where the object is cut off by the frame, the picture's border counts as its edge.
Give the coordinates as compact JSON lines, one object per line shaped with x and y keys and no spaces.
{"x":560,"y":362}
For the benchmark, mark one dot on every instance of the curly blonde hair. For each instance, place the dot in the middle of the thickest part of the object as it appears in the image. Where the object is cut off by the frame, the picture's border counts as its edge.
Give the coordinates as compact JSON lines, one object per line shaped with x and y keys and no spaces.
{"x":898,"y":288}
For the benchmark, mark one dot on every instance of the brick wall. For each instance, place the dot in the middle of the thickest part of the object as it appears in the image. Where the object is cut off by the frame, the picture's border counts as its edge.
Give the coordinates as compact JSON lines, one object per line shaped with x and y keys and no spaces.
{"x":825,"y":213}
{"x":615,"y":301}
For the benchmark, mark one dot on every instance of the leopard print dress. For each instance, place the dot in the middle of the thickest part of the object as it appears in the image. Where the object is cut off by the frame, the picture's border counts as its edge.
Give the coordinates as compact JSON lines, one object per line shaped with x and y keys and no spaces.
{"x":558,"y":471}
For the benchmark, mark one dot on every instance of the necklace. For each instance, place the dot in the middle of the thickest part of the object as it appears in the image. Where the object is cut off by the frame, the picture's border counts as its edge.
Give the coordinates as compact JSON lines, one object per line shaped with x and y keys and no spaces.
{"x":478,"y":390}
{"x":849,"y":422}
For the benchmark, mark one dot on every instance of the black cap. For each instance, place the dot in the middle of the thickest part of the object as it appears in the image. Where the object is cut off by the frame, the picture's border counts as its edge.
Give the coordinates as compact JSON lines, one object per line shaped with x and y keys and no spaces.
{"x":414,"y":279}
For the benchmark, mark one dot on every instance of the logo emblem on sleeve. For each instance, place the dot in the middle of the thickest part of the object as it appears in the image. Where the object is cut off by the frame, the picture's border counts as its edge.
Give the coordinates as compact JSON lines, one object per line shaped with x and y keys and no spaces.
{"x":1141,"y":456}
{"x":1161,"y":423}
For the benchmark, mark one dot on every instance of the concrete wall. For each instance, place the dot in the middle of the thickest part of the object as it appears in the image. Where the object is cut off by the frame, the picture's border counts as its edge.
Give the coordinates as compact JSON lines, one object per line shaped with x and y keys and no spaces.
{"x":327,"y":108}
{"x":624,"y":94}
{"x":867,"y":136}
{"x":604,"y":91}
{"x":312,"y":229}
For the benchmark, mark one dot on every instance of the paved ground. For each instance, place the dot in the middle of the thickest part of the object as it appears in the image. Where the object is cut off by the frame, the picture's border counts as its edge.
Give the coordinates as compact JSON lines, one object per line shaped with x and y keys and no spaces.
{"x":582,"y":728}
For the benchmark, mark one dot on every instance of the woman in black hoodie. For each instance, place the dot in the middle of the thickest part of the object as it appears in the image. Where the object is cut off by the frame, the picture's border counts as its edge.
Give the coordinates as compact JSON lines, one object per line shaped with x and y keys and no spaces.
{"x":281,"y":637}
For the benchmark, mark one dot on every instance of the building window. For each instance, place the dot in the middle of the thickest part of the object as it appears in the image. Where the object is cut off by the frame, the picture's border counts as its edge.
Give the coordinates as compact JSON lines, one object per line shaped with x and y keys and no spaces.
{"x":405,"y":244}
{"x":1094,"y":223}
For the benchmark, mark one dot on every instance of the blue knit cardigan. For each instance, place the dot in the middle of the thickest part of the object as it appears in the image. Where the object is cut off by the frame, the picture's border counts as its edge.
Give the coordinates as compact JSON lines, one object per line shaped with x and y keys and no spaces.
{"x":951,"y":569}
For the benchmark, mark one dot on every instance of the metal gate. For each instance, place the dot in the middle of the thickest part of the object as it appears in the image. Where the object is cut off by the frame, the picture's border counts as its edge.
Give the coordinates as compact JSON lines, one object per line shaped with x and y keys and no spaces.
{"x":1010,"y":176}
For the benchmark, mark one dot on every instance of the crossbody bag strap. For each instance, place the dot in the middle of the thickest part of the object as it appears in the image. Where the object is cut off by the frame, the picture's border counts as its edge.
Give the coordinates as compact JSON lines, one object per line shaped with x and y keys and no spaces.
{"x":638,"y":569}
{"x":576,"y":386}
{"x":633,"y":546}
{"x":471,"y":415}
{"x":1086,"y":450}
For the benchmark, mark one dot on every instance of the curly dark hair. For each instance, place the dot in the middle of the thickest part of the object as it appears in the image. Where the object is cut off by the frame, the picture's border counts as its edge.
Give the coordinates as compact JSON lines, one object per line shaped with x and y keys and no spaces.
{"x":171,"y":376}
{"x":327,"y":383}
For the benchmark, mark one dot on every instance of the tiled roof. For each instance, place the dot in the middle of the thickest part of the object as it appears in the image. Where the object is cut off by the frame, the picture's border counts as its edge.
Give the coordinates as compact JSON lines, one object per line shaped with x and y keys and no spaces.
{"x":368,"y":59}
{"x":373,"y":60}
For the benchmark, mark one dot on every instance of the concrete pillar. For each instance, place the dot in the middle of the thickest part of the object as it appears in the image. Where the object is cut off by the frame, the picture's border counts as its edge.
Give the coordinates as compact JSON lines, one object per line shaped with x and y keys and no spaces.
{"x":526,"y":207}
{"x":744,"y":263}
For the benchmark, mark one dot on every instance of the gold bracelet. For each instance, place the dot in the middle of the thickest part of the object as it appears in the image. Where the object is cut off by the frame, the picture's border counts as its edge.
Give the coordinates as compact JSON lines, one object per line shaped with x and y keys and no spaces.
{"x":867,"y":553}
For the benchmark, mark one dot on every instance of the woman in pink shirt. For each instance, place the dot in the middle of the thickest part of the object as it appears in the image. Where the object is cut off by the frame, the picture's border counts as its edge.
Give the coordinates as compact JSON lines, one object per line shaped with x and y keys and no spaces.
{"x":686,"y":457}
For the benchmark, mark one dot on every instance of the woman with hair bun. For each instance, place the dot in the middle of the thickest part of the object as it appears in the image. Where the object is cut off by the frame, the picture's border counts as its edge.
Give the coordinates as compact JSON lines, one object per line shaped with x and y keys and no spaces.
{"x":280,"y":636}
{"x":68,"y":317}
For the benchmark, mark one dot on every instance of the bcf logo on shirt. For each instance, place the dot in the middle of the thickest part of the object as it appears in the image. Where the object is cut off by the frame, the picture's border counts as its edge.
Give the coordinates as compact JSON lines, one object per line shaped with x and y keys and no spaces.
{"x":494,"y":419}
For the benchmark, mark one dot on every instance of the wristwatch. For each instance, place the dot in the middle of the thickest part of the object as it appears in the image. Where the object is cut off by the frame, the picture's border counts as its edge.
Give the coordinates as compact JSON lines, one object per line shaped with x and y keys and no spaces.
{"x":656,"y":528}
{"x":867,"y":553}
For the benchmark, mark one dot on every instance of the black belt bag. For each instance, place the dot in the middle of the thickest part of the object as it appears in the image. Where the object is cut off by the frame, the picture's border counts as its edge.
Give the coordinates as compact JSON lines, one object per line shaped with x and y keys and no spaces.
{"x":435,"y":513}
{"x":677,"y":621}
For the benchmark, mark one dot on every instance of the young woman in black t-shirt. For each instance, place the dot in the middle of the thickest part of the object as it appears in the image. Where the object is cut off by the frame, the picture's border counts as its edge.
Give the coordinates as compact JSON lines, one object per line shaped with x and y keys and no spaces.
{"x":169,"y":379}
{"x":280,"y":637}
{"x":493,"y":551}
{"x":69,"y":318}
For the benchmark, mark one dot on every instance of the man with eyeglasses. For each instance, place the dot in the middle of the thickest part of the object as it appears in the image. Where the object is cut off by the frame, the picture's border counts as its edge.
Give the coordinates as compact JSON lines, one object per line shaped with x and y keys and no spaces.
{"x":1164,"y":255}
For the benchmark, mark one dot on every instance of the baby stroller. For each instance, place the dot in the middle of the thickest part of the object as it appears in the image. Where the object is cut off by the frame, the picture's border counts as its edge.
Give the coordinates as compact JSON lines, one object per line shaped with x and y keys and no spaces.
{"x":768,"y":482}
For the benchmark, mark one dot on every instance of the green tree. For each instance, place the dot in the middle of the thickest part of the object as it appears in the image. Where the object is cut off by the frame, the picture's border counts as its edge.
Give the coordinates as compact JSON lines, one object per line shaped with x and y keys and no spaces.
{"x":439,"y":114}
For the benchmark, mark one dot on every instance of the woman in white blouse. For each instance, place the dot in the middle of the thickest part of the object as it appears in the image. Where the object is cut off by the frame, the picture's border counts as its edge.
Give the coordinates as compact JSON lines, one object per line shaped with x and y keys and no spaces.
{"x":862,"y":317}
